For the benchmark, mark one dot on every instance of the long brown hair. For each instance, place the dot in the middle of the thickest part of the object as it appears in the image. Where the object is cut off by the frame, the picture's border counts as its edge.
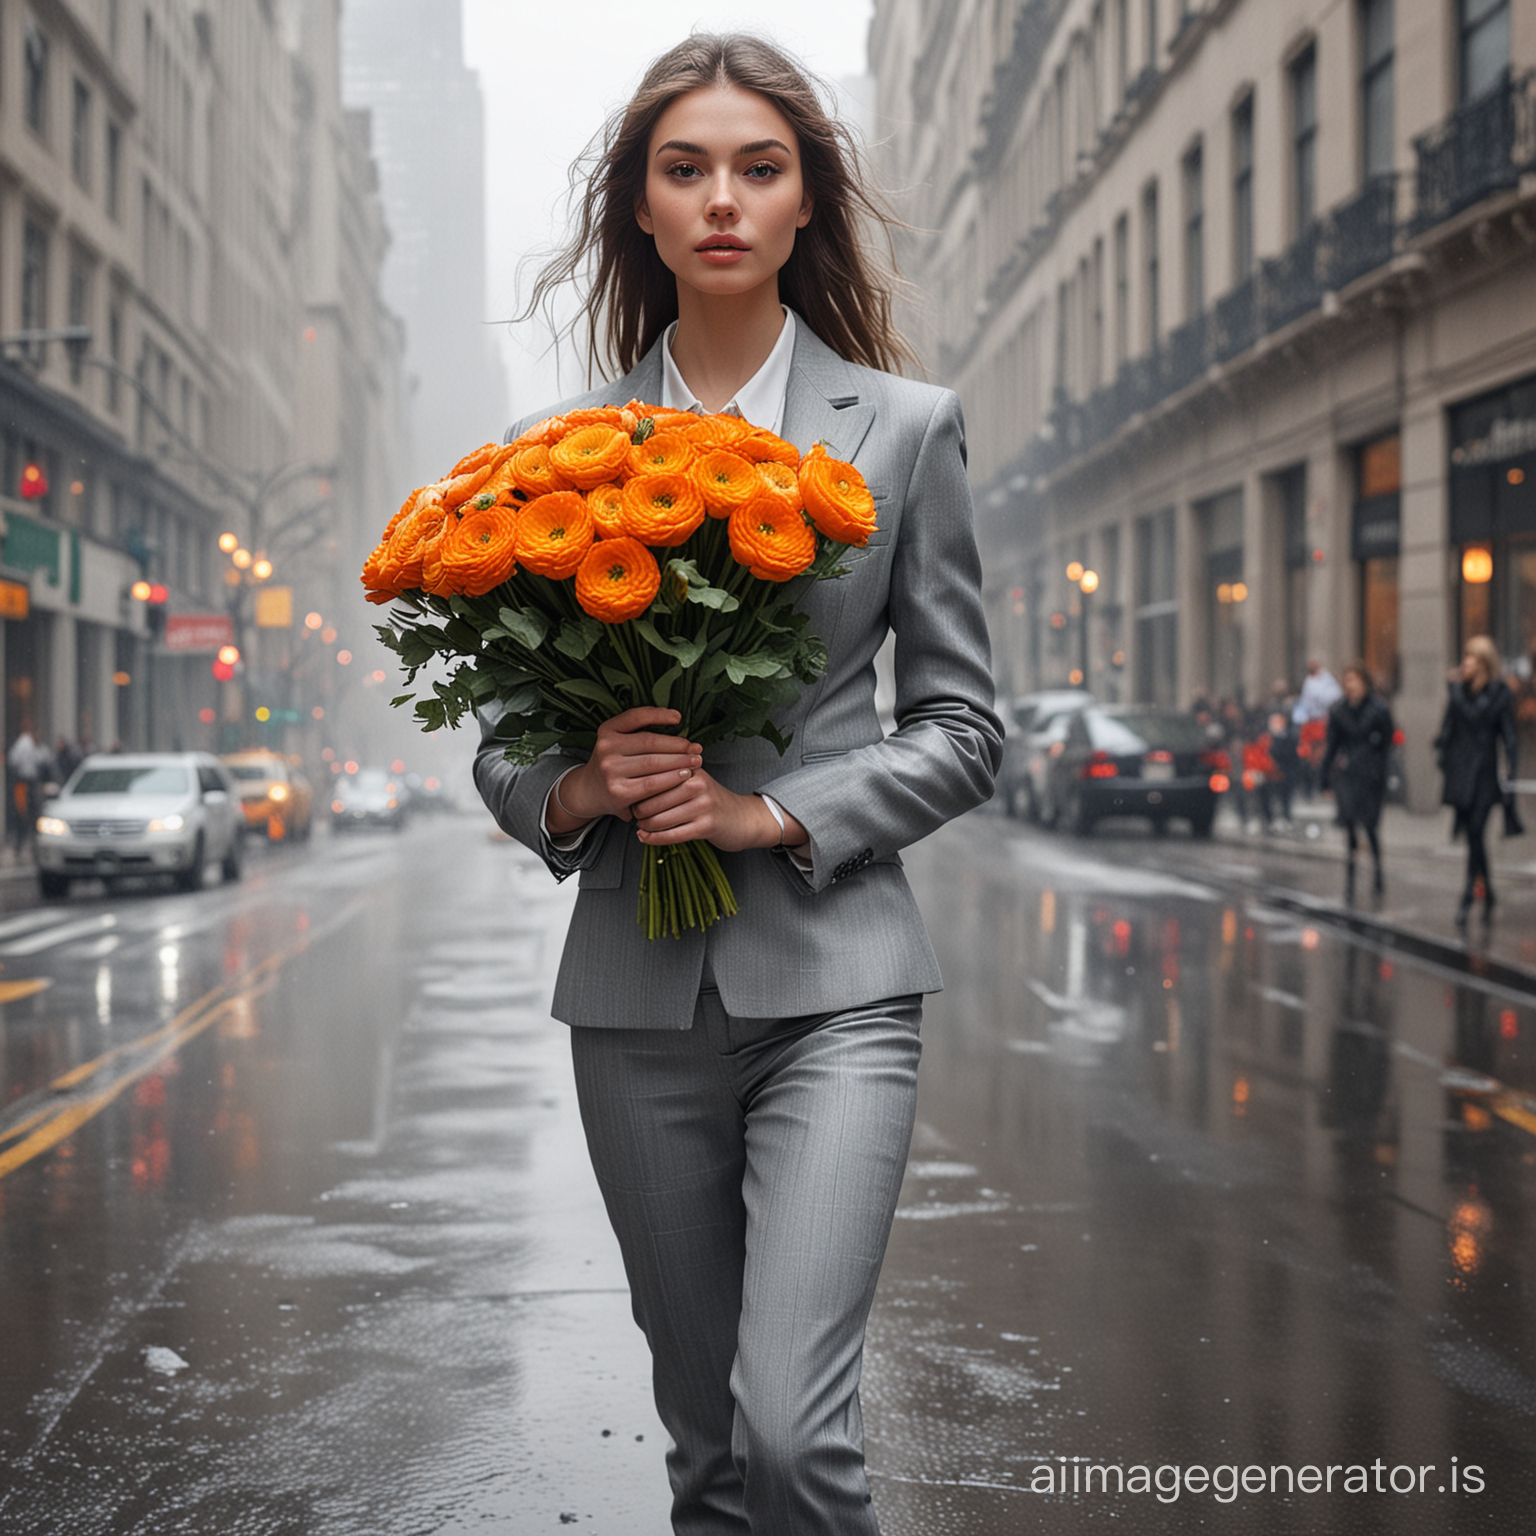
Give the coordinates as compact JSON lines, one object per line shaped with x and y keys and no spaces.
{"x":831,"y":277}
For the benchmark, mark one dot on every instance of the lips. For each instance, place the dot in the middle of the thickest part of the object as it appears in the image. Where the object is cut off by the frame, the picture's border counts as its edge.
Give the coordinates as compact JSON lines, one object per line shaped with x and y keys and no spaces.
{"x":722,"y":243}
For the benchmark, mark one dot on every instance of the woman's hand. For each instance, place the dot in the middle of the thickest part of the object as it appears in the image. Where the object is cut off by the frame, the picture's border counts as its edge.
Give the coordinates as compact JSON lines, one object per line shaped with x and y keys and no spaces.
{"x":632,"y":761}
{"x":701,"y":807}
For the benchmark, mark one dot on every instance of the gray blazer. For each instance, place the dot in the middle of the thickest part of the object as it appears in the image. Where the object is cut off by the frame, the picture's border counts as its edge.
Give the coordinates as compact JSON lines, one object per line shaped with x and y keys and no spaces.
{"x":848,"y":932}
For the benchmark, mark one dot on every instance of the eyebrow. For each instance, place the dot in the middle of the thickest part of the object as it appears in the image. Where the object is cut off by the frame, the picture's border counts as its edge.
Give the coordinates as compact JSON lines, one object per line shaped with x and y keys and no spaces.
{"x":755,"y":148}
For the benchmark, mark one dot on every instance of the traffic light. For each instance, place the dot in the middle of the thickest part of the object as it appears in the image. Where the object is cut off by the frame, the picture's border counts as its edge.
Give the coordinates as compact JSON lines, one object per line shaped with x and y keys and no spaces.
{"x":34,"y":483}
{"x":225,"y":663}
{"x":155,"y":596}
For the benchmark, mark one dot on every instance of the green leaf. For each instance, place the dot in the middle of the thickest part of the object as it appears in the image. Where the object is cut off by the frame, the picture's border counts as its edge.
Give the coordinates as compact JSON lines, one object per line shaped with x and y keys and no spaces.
{"x":521,"y":700}
{"x":618,"y":679}
{"x":401,"y":698}
{"x":509,"y":677}
{"x":577,"y":637}
{"x":527,"y":626}
{"x":685,"y":651}
{"x":661,"y":693}
{"x":759,"y":664}
{"x":585,"y":688}
{"x":462,"y":636}
{"x":643,"y":430}
{"x":414,"y":650}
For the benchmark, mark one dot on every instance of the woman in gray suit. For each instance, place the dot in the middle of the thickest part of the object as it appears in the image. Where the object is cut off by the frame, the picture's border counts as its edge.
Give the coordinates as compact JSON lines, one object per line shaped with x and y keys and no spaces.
{"x":748,"y":1092}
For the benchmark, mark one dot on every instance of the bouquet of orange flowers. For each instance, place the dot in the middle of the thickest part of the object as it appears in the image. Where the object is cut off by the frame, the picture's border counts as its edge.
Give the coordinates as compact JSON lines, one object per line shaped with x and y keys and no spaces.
{"x":616,"y":557}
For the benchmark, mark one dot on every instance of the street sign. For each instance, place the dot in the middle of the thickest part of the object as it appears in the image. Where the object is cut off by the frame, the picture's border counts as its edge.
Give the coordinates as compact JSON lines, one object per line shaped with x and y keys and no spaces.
{"x":191,"y":632}
{"x":274,"y":608}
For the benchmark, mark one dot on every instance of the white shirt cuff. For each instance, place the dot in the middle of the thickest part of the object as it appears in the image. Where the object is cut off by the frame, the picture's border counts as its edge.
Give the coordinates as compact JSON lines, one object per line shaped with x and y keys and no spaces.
{"x":796,"y":857}
{"x":569,"y":841}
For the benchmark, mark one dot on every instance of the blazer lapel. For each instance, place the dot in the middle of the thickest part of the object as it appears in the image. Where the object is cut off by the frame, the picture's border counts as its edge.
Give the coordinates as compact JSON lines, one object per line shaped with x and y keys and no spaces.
{"x":642,"y":382}
{"x":823,"y":403}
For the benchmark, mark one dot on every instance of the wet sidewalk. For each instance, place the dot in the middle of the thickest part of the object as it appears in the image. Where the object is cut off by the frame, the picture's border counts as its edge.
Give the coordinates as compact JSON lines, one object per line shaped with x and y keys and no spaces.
{"x":1424,"y":870}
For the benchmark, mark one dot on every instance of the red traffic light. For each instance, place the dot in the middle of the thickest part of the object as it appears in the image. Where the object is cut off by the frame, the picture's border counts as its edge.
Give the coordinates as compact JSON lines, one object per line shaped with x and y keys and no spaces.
{"x":223,"y":670}
{"x":34,"y":483}
{"x":158,"y":593}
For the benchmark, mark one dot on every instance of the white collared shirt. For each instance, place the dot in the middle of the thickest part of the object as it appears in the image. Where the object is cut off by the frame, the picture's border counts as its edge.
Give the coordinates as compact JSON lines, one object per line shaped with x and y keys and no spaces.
{"x":760,"y":400}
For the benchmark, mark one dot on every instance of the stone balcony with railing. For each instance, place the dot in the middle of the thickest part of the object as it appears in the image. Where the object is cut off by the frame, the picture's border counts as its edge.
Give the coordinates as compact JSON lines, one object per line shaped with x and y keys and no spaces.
{"x":1482,"y":150}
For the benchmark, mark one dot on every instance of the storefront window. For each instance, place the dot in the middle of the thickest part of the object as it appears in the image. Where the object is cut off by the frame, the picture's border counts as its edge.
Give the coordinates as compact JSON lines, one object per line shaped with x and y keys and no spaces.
{"x":1375,"y":536}
{"x":1226,"y":592}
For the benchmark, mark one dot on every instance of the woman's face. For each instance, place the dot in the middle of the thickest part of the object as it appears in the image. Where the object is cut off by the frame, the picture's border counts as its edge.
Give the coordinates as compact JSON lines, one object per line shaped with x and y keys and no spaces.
{"x":1473,"y":672}
{"x":724,"y":194}
{"x":1354,"y":687}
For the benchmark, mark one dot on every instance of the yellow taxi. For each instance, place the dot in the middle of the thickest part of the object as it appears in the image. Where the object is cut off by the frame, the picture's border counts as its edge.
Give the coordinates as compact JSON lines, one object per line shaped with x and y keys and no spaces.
{"x":274,"y":794}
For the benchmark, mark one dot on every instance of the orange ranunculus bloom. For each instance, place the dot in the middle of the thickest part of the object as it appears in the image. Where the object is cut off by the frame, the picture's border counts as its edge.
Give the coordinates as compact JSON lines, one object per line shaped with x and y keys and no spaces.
{"x":606,"y":503}
{"x":401,"y":564}
{"x":473,"y":461}
{"x":533,"y":472}
{"x":433,"y":577}
{"x":540,"y":435}
{"x":621,"y":417}
{"x":459,"y":489}
{"x":837,"y":498}
{"x":772,"y":543}
{"x":554,"y":532}
{"x":379,"y":588}
{"x":779,"y":484}
{"x":617,"y":580}
{"x":662,"y":510}
{"x":590,"y":455}
{"x":726,"y":481}
{"x":663,"y":418}
{"x":480,"y":552}
{"x":664,"y":452}
{"x":406,"y":508}
{"x":719,"y":431}
{"x":764,"y":447}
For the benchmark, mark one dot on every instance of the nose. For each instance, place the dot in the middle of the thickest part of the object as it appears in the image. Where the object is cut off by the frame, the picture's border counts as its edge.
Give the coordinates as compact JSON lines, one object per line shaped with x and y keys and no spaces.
{"x":722,"y":202}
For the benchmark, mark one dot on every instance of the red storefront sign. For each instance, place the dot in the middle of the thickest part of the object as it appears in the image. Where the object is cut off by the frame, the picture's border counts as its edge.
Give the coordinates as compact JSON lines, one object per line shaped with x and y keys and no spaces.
{"x":198,"y":631}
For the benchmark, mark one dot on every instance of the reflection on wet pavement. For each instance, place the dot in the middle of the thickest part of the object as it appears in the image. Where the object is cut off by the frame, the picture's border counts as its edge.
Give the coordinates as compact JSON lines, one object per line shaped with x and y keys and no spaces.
{"x":1198,"y":1183}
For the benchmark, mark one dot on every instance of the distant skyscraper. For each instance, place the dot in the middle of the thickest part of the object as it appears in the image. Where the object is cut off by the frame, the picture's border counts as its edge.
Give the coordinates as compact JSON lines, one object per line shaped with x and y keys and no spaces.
{"x":404,"y":60}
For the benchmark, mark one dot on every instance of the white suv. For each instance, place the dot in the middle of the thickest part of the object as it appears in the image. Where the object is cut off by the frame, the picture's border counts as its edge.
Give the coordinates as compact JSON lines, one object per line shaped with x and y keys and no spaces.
{"x":142,"y":813}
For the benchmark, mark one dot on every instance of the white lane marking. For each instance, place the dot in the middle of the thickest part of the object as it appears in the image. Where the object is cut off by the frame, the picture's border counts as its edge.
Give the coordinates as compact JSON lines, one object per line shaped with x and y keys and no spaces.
{"x":1275,"y":995}
{"x":97,"y":951}
{"x":27,"y":921}
{"x":53,"y":936}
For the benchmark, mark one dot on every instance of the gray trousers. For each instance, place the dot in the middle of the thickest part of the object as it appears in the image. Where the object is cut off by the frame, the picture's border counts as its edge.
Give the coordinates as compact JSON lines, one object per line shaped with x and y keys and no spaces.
{"x":750,"y":1168}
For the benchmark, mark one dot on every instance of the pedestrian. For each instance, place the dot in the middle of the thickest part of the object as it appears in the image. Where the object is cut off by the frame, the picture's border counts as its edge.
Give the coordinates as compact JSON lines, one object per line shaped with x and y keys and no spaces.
{"x":30,"y":763}
{"x":66,"y":758}
{"x":748,"y":1090}
{"x":1282,"y":750}
{"x":1479,"y":713}
{"x":1354,"y":766}
{"x":1320,"y":691}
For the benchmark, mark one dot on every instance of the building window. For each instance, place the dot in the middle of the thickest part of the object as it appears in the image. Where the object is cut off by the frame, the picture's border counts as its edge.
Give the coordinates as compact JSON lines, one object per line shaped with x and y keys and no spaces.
{"x":1122,"y":260}
{"x":1374,"y":538}
{"x":80,"y":133}
{"x":34,"y":277}
{"x":1194,"y":232}
{"x":35,"y":79}
{"x":1157,"y":608}
{"x":1290,"y":489}
{"x":1150,"y":10}
{"x":1063,"y":309}
{"x":1304,"y":140}
{"x":115,"y":353}
{"x":1122,"y":48}
{"x":1242,"y":189}
{"x":1096,"y":318}
{"x":114,"y":171}
{"x":1152,"y":268}
{"x":1376,"y":58}
{"x":79,"y":310}
{"x":1484,"y":27}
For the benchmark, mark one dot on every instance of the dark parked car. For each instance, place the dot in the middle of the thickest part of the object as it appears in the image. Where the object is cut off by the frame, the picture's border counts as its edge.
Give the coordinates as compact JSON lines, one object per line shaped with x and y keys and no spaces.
{"x":1034,"y":720}
{"x":1135,"y":760}
{"x":370,"y":798}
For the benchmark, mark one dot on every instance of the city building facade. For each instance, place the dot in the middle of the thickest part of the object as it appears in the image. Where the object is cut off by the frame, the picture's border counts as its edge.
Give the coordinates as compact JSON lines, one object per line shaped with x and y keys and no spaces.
{"x":161,"y":375}
{"x":1240,"y":298}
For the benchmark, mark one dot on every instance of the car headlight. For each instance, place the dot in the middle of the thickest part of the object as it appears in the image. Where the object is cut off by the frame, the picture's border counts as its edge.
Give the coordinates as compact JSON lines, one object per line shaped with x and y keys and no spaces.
{"x":278,"y":792}
{"x":52,"y":826}
{"x":172,"y":823}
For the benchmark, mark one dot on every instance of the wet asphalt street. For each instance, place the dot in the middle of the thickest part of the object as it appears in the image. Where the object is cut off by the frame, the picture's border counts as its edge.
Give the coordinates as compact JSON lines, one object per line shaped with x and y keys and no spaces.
{"x":297,"y":1235}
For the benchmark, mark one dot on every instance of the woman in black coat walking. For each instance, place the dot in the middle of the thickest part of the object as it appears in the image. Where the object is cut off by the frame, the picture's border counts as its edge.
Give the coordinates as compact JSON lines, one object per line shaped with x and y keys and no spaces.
{"x":1355,"y":765}
{"x":1478,"y":714}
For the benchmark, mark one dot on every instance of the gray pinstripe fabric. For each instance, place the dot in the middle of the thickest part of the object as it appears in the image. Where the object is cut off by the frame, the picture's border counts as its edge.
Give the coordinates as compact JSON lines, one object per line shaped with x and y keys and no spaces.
{"x":750,"y":1169}
{"x":850,"y":929}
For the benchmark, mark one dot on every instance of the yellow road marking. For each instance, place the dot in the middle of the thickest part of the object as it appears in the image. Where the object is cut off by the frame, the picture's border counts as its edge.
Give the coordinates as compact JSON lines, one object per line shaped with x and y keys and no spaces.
{"x":1516,"y":1112}
{"x":169,"y":1038}
{"x":14,"y":991}
{"x":23,"y":1126}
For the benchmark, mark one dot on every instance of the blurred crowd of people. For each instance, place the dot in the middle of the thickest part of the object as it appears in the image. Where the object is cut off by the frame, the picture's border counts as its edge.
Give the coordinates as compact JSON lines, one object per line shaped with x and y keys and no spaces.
{"x":1336,"y":735}
{"x":34,"y":771}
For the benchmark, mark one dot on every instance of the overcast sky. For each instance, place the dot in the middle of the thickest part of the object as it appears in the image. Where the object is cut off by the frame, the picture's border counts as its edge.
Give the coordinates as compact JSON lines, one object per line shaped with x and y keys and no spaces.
{"x":551,"y":72}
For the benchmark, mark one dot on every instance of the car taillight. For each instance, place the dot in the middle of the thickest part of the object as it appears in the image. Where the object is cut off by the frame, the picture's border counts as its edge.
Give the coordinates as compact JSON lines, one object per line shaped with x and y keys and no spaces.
{"x":1159,"y":757}
{"x":1220,"y":783}
{"x":1100,"y":765}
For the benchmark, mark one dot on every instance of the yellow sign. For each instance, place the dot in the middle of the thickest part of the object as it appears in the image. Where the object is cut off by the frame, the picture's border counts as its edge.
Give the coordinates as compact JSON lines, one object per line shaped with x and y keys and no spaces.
{"x":274,"y":608}
{"x":15,"y":600}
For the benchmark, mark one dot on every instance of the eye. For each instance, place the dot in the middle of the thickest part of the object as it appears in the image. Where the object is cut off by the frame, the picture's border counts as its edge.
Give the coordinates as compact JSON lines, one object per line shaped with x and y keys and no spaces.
{"x":764,"y":170}
{"x":683,"y":171}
